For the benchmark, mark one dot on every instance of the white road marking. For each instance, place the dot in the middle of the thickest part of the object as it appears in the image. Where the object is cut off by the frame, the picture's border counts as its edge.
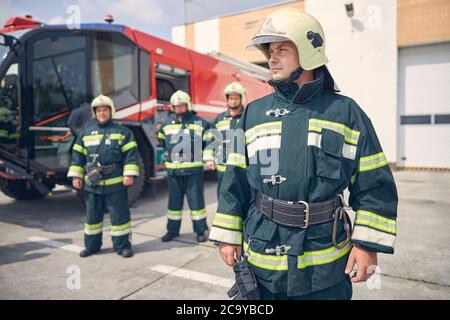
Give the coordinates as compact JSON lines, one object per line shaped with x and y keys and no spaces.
{"x":56,"y":244}
{"x":193,"y":275}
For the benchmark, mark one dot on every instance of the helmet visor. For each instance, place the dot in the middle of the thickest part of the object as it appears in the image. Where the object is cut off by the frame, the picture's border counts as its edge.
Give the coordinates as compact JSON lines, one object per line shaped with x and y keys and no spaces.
{"x":261,"y":39}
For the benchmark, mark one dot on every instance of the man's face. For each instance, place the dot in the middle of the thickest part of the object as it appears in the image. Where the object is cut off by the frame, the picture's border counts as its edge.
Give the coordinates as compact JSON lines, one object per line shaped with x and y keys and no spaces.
{"x":102,"y":113}
{"x":283,"y":59}
{"x":234,"y":100}
{"x":180,"y":108}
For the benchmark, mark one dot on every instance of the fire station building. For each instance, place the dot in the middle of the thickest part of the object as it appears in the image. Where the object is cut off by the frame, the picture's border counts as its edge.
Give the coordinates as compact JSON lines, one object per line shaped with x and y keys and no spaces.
{"x":391,"y":56}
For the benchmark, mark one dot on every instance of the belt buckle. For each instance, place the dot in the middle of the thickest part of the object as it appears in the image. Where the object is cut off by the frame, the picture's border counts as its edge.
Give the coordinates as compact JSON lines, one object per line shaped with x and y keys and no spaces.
{"x":306,"y":214}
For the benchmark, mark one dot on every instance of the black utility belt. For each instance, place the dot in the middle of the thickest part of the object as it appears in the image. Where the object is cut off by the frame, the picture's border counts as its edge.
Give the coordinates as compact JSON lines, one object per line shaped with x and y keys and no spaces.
{"x":297,"y":213}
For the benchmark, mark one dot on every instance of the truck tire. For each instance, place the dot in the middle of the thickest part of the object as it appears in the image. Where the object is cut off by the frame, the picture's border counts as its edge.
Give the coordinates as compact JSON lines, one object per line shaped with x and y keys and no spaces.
{"x":20,"y":190}
{"x":134,"y":191}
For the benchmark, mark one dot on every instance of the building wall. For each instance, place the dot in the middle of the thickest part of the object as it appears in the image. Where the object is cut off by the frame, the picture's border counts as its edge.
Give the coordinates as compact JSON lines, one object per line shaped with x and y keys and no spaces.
{"x":237,"y":30}
{"x":424,"y":21}
{"x":363,"y":59}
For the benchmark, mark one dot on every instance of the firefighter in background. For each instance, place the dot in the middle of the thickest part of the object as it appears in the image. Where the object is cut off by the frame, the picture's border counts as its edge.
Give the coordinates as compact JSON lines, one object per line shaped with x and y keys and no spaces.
{"x":181,"y":136}
{"x":290,"y":220}
{"x":105,"y":162}
{"x":8,"y":133}
{"x":224,"y":125}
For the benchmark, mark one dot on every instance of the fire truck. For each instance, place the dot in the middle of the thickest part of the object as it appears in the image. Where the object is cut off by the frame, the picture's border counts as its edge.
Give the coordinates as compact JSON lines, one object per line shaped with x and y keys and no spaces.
{"x":49,"y":74}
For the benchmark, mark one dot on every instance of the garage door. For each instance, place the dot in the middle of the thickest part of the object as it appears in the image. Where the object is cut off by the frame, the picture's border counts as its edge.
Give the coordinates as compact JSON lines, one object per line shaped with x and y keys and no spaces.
{"x":424,"y":106}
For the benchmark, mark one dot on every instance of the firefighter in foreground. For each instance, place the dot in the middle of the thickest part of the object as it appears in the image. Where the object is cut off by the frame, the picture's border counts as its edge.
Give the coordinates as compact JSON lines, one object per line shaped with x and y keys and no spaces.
{"x":287,"y":216}
{"x":105,"y":162}
{"x":182,"y":137}
{"x":224,"y":125}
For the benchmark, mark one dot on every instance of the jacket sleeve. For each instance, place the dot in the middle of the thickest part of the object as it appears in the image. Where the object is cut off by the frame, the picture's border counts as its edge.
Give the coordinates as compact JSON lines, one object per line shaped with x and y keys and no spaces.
{"x":78,"y":161}
{"x":208,"y":139}
{"x":130,"y":152}
{"x":162,"y":138}
{"x":234,"y":194}
{"x":373,"y":195}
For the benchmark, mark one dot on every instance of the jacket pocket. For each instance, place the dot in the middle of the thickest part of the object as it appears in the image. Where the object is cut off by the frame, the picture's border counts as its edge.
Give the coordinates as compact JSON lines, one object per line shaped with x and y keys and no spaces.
{"x":329,"y":156}
{"x":258,"y":226}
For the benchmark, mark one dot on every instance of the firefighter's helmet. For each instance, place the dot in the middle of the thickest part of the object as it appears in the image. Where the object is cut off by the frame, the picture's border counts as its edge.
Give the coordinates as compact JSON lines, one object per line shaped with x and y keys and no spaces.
{"x":5,"y":115}
{"x":236,"y":87}
{"x":102,"y":100}
{"x":180,"y":97}
{"x":294,"y":25}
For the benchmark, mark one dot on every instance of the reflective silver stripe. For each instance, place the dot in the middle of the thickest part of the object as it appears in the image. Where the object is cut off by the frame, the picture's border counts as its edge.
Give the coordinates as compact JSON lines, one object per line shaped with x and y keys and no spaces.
{"x":263,"y":143}
{"x":174,"y":214}
{"x":198,"y":217}
{"x":348,"y":150}
{"x":227,"y":236}
{"x":93,"y":232}
{"x":367,"y":234}
{"x":91,"y":143}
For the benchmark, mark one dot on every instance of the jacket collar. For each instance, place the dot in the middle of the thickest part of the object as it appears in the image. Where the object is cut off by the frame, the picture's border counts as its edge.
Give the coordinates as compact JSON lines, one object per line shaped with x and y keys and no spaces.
{"x":288,"y":89}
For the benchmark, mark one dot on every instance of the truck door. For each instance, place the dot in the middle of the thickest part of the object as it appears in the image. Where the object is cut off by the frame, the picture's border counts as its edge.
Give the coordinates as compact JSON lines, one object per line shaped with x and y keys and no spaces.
{"x":9,"y":108}
{"x":59,"y":79}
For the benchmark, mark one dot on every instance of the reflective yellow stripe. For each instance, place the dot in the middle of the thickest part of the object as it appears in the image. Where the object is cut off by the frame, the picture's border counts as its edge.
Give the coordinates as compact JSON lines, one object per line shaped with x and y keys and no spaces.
{"x":129,"y":146}
{"x":130,"y":169}
{"x":4,"y":133}
{"x":268,"y":262}
{"x":350,"y":136}
{"x":264,"y":129}
{"x":93,"y":137}
{"x":80,"y":149}
{"x":223,"y":124}
{"x":121,"y":227}
{"x":227,"y":221}
{"x":376,"y":221}
{"x":175,"y":212}
{"x":162,"y":136}
{"x":76,"y":169}
{"x":195,"y":127}
{"x":198,"y":212}
{"x":208,"y":152}
{"x":171,"y":129}
{"x":236,"y":159}
{"x":221,"y":168}
{"x":372,"y":162}
{"x":93,"y":226}
{"x":13,"y":136}
{"x":183,"y":165}
{"x":116,"y":136}
{"x":321,"y":257}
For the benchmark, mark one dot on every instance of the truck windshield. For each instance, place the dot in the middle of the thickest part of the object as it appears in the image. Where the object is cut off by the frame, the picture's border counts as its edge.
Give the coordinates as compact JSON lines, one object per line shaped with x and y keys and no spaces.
{"x":6,"y":40}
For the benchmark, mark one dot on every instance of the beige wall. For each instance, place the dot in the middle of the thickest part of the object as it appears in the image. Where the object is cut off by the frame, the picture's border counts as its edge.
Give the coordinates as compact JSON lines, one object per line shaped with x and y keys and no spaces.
{"x":237,"y":30}
{"x":424,"y":21}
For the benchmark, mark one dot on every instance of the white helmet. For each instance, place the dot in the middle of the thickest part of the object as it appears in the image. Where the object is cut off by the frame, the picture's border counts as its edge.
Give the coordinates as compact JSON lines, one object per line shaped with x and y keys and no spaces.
{"x":236,"y":87}
{"x":102,"y":100}
{"x":180,"y":97}
{"x":289,"y":24}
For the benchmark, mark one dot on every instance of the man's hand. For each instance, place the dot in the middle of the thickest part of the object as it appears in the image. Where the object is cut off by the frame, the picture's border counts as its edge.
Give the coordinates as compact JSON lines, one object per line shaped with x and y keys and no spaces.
{"x":363,"y":260}
{"x":230,"y":253}
{"x":210,"y":165}
{"x":77,"y":183}
{"x":128,"y":181}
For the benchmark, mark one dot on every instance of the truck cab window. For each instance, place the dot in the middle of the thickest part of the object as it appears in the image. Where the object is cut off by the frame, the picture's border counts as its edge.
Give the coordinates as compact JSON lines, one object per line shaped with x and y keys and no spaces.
{"x":115,"y":68}
{"x":59,"y":75}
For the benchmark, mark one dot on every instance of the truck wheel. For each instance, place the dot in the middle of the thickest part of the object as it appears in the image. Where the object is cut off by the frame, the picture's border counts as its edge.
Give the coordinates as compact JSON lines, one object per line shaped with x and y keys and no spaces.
{"x":20,"y":190}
